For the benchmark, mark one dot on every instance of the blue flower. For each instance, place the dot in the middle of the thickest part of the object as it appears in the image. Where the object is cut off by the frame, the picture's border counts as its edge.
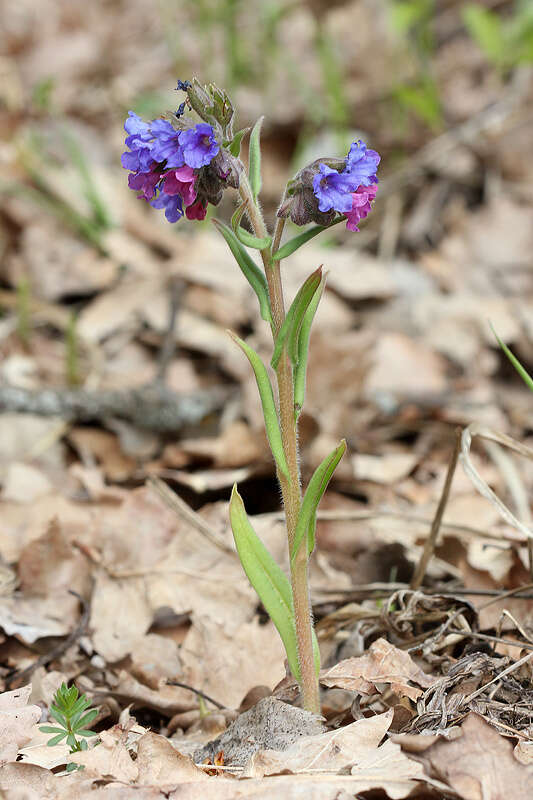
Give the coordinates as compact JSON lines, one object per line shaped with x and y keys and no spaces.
{"x":333,"y":189}
{"x":362,"y":163}
{"x":167,"y":144}
{"x":139,"y":141}
{"x":172,"y":204}
{"x":199,"y":145}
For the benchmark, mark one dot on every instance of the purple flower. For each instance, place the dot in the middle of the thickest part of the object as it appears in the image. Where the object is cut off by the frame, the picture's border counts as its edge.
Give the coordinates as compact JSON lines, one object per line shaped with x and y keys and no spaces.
{"x":166,"y":145}
{"x":199,"y":145}
{"x":361,"y":205}
{"x":181,"y":181}
{"x":334,"y":189}
{"x":172,"y":203}
{"x":362,"y":163}
{"x":351,"y":191}
{"x":144,"y":182}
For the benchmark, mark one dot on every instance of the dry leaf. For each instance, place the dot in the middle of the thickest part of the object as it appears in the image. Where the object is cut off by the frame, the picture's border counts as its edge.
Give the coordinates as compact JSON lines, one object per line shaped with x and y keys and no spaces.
{"x":387,"y":469}
{"x":383,"y":663}
{"x":354,"y":747}
{"x":109,"y":759}
{"x":159,"y":764}
{"x":479,"y":764}
{"x":17,"y":720}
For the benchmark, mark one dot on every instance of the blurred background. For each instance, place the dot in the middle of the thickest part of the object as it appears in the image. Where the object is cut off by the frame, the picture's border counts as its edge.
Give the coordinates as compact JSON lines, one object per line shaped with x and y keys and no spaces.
{"x":100,"y":294}
{"x":116,"y":368}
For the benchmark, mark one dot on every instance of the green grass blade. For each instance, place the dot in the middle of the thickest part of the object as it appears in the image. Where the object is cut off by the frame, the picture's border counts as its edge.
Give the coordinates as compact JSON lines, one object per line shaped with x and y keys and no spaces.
{"x":524,"y":374}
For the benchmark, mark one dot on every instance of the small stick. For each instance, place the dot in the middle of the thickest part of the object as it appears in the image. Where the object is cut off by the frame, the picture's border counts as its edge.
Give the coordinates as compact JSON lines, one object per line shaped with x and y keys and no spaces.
{"x":205,"y":696}
{"x":174,"y":501}
{"x":429,"y":545}
{"x":510,"y":668}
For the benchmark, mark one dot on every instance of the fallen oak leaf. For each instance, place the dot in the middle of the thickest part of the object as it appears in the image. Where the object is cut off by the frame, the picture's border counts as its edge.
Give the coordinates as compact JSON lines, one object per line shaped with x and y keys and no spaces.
{"x":17,"y":720}
{"x":355,"y":748}
{"x":383,"y":663}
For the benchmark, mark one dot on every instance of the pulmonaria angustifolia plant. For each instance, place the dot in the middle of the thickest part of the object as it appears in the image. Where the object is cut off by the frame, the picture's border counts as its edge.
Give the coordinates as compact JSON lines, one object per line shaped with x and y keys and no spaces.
{"x":181,"y":164}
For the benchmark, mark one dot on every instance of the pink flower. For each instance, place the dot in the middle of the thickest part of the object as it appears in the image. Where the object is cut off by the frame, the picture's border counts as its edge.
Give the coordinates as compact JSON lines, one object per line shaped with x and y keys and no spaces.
{"x":181,"y":181}
{"x":361,"y":205}
{"x":196,"y":211}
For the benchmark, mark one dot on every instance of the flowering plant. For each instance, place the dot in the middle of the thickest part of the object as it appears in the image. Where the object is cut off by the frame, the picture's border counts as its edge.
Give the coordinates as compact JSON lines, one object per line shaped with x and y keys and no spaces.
{"x":181,"y":165}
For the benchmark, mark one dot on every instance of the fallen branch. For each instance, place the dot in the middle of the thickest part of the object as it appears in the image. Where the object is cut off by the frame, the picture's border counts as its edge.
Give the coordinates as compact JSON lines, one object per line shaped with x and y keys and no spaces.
{"x":152,"y":407}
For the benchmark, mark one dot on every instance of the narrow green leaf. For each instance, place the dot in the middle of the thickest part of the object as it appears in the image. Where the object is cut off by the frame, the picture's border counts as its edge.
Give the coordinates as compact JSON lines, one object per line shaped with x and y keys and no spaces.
{"x":56,"y":739}
{"x":49,"y":729}
{"x":245,"y":236}
{"x":267,"y":401}
{"x":267,"y":578}
{"x":86,"y":720}
{"x":305,"y":527}
{"x":290,"y":330}
{"x":300,"y":369}
{"x":294,"y":244}
{"x":86,"y":733}
{"x":524,"y":374}
{"x":249,"y":268}
{"x":57,"y":715}
{"x":254,"y":158}
{"x":72,"y":742}
{"x":235,"y":145}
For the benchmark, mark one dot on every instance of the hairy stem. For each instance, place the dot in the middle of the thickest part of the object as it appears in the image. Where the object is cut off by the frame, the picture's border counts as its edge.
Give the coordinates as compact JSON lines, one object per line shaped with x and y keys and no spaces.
{"x":290,"y":488}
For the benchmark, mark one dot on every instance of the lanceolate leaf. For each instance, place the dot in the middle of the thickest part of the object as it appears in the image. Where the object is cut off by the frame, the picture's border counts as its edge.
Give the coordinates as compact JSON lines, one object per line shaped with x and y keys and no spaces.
{"x":249,"y":268}
{"x":293,"y":244}
{"x":267,"y":578}
{"x":267,"y":401}
{"x":300,"y":369}
{"x":305,"y":527}
{"x":235,"y":145}
{"x":290,"y":330}
{"x":524,"y":374}
{"x":245,"y":236}
{"x":254,"y":158}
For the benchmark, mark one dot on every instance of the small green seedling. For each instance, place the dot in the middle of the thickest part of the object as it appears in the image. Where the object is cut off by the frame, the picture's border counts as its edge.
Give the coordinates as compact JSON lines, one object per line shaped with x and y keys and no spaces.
{"x":73,"y":715}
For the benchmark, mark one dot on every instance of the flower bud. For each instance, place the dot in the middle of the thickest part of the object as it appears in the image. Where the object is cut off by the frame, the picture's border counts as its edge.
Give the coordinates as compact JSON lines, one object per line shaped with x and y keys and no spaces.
{"x":212,"y":105}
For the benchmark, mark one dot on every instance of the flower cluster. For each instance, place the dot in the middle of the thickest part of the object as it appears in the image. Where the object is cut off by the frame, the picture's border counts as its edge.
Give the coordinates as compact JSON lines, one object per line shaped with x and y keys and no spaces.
{"x":328,"y":187}
{"x":179,"y":171}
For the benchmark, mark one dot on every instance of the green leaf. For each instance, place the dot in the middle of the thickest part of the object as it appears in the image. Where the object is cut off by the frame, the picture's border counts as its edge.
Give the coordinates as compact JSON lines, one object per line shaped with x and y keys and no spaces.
{"x":303,"y":349}
{"x":57,"y":715}
{"x":293,"y":244}
{"x":86,"y":720}
{"x":72,"y":766}
{"x":249,"y":268}
{"x":85,"y":732}
{"x":305,"y":527}
{"x":267,"y":578}
{"x":56,"y":739}
{"x":235,"y":145}
{"x":290,"y":330}
{"x":267,"y":401}
{"x":49,"y":729}
{"x":486,"y":29}
{"x":524,"y":374}
{"x":245,"y":236}
{"x":254,"y":159}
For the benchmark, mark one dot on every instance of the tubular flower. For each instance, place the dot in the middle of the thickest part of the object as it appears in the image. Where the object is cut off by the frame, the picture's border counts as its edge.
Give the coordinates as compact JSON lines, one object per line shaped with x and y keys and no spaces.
{"x":169,"y":166}
{"x":331,"y":186}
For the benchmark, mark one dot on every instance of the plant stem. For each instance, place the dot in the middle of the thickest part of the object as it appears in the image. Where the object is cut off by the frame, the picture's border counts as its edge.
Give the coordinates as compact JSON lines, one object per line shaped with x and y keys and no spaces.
{"x":290,"y":488}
